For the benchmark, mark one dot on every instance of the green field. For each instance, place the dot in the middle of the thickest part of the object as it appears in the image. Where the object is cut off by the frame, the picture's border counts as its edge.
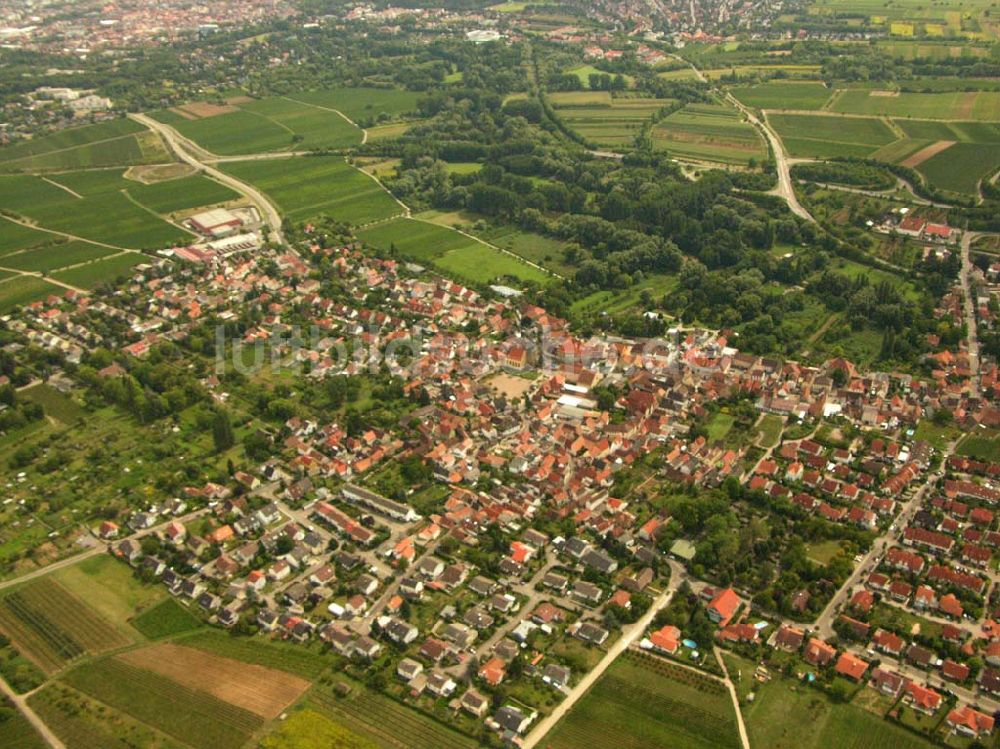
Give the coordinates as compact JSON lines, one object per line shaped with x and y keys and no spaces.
{"x":20,"y":290}
{"x":52,"y":627}
{"x":307,"y":187}
{"x":57,"y":405}
{"x":952,"y":105}
{"x":382,"y":720}
{"x":783,"y":95}
{"x":271,"y":124}
{"x":448,"y":250}
{"x":180,"y":194}
{"x":788,"y":715}
{"x":115,"y":143}
{"x":961,"y":167}
{"x":110,"y":270}
{"x":307,"y":729}
{"x":709,"y":132}
{"x":165,"y":618}
{"x":294,"y":659}
{"x":769,"y":430}
{"x":84,"y":723}
{"x":645,"y":702}
{"x":829,"y":136}
{"x":188,"y":715}
{"x":604,"y":120}
{"x":101,"y":213}
{"x":47,"y":258}
{"x":983,"y":444}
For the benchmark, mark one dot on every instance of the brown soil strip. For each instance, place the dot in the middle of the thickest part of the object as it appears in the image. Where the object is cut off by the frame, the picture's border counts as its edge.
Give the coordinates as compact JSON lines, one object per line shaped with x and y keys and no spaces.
{"x":925,"y":153}
{"x":263,"y":691}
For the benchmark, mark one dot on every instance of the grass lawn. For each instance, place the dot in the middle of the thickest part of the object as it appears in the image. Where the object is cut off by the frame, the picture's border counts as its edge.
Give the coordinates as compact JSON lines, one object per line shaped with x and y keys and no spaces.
{"x":718,"y":426}
{"x":648,"y":703}
{"x":769,"y":428}
{"x":823,"y":552}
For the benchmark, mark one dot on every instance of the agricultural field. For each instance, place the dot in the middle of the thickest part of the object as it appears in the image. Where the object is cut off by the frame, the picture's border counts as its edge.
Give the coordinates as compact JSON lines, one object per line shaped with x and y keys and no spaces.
{"x":830,"y":136}
{"x":288,"y":657}
{"x":87,"y":205}
{"x":382,"y":720}
{"x":108,"y":270}
{"x":642,"y":701}
{"x":307,"y":729}
{"x":262,"y":691}
{"x":112,"y":590}
{"x":603,"y":120}
{"x":49,"y":257}
{"x":53,"y":627}
{"x":184,"y":193}
{"x":115,"y":143}
{"x":542,"y":250}
{"x":84,"y":723}
{"x":307,"y":187}
{"x":452,"y":252}
{"x":954,"y":105}
{"x":260,"y":125}
{"x":186,"y":714}
{"x":16,"y":730}
{"x":16,"y":291}
{"x":165,"y":619}
{"x":960,"y":167}
{"x":783,"y":95}
{"x":706,"y":132}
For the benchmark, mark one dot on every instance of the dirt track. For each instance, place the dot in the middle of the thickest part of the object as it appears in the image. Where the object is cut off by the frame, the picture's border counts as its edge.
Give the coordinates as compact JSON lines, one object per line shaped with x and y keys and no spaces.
{"x":260,"y":690}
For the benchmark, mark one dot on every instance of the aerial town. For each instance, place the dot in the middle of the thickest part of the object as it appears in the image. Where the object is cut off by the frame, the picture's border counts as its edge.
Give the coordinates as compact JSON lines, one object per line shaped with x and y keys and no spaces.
{"x":508,"y":375}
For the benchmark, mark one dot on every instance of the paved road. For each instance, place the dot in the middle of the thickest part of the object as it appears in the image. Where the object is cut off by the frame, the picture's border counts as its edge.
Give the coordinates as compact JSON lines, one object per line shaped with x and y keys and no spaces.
{"x":197,"y":157}
{"x":630,"y":634}
{"x":785,"y":188}
{"x":970,"y":309}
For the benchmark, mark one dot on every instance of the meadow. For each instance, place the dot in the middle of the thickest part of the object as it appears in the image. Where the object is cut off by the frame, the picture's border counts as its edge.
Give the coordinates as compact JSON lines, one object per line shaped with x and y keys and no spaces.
{"x":708,"y":132}
{"x":449,"y":251}
{"x":642,"y":701}
{"x":787,"y":715}
{"x":306,"y":187}
{"x":165,"y":619}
